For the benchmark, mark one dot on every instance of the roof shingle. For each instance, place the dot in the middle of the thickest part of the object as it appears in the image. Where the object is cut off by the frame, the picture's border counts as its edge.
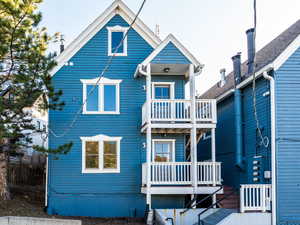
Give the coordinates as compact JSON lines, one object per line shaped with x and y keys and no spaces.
{"x":264,"y":56}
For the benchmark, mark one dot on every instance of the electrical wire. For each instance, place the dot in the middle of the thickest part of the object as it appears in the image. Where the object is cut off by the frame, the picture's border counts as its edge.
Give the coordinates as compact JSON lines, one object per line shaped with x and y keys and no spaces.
{"x":106,"y":68}
{"x":264,"y":139}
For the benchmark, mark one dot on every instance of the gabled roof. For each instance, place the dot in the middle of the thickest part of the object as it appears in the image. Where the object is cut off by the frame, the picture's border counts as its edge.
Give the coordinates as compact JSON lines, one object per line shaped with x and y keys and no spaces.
{"x":278,"y":49}
{"x":116,"y":8}
{"x":171,"y":39}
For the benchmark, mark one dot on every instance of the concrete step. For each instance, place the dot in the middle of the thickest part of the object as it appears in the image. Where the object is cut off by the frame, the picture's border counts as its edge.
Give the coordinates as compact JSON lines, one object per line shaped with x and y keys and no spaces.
{"x":218,"y":216}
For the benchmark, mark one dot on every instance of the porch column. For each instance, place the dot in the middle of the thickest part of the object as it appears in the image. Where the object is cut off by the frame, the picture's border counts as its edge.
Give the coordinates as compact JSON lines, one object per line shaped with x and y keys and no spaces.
{"x":148,"y":134}
{"x":193,"y":129}
{"x":213,"y":159}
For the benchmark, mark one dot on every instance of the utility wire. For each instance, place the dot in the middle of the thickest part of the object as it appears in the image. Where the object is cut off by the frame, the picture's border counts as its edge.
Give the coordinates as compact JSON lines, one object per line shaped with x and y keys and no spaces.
{"x":106,"y":68}
{"x":264,"y":139}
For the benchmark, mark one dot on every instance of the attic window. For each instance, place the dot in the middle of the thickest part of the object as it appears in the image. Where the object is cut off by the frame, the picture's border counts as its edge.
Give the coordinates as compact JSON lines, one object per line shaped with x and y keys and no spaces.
{"x":116,"y":45}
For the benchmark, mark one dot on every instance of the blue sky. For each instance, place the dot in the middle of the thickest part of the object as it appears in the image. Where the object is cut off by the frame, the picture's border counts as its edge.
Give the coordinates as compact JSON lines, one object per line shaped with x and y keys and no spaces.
{"x":213,"y":30}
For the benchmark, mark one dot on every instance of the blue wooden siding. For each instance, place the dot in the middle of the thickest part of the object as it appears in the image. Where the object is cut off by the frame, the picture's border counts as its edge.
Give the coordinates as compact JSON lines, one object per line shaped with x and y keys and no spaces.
{"x":287,"y":85}
{"x":170,"y":55}
{"x":225,"y":136}
{"x":74,"y":193}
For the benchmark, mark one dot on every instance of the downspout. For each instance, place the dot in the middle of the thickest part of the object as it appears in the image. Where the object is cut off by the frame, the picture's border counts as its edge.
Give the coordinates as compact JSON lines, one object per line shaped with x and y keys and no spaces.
{"x":273,"y":144}
{"x":238,"y":112}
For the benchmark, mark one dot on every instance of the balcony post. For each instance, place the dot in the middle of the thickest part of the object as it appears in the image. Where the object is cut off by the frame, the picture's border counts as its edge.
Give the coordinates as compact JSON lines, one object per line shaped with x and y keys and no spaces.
{"x":193,"y":129}
{"x":213,"y":159}
{"x":148,"y":134}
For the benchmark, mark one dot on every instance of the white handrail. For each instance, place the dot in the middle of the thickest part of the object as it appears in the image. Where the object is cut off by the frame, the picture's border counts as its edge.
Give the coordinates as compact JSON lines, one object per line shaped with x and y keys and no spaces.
{"x":255,"y":197}
{"x":179,"y":173}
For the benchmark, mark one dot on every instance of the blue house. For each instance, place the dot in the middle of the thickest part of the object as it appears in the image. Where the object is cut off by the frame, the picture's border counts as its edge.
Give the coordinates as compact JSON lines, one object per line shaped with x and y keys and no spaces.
{"x":134,"y":129}
{"x":260,"y":154}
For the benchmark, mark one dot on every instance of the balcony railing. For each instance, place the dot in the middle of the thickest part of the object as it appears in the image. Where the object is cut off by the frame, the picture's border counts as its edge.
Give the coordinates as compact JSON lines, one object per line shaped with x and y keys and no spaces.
{"x":179,"y":110}
{"x":255,"y":197}
{"x":179,"y":173}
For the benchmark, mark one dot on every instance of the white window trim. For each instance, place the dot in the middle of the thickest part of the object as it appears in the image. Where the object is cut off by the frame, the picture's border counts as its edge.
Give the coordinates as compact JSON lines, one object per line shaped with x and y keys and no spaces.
{"x":117,"y":29}
{"x":103,"y":81}
{"x":172,"y":88}
{"x":164,"y":140}
{"x":100,"y":139}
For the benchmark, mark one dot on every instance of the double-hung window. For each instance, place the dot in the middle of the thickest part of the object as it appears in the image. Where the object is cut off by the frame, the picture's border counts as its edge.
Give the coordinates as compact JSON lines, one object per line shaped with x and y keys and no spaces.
{"x":101,"y":96}
{"x":163,"y":150}
{"x":117,"y":41}
{"x":101,"y":154}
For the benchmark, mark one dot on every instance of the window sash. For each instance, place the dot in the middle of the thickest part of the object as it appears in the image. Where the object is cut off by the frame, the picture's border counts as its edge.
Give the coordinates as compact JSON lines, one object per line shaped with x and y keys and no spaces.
{"x":107,"y":157}
{"x":162,"y":91}
{"x":116,"y":38}
{"x":163,"y":151}
{"x":103,"y":100}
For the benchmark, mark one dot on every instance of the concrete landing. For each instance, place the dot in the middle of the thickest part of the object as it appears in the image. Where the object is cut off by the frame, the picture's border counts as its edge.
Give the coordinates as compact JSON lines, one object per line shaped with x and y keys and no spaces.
{"x":13,"y":220}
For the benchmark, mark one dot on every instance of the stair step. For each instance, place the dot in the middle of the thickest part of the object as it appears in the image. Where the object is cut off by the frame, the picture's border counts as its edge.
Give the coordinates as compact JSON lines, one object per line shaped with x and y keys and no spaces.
{"x":216,"y":217}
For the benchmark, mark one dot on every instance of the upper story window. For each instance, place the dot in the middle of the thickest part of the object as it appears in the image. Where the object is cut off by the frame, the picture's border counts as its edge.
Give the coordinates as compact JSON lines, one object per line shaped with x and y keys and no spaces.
{"x":116,"y":46}
{"x":100,"y":154}
{"x":163,"y":90}
{"x":101,"y":97}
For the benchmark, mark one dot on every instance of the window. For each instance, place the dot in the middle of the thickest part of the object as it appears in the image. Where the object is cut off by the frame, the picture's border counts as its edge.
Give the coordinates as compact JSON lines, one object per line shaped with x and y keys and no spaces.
{"x":115,"y":45}
{"x":101,"y":97}
{"x":163,"y":150}
{"x":101,"y":154}
{"x":163,"y":90}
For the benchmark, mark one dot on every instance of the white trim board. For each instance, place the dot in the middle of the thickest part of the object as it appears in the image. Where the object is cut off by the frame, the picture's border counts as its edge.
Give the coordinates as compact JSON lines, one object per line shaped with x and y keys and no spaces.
{"x":116,"y":8}
{"x":184,"y":51}
{"x":181,"y":190}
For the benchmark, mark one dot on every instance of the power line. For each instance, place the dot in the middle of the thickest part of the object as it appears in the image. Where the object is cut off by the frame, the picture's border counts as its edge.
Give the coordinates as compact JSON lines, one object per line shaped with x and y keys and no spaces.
{"x":264,"y":139}
{"x":106,"y":68}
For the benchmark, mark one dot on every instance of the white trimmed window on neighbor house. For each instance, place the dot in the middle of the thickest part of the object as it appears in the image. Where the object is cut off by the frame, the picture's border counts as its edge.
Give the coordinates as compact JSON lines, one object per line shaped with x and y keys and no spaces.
{"x":101,"y":154}
{"x":101,"y":96}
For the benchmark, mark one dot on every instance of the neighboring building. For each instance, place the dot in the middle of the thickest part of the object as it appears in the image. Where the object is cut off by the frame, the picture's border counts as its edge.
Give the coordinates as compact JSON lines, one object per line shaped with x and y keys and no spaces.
{"x":131,"y":139}
{"x":246,"y":159}
{"x":39,"y":120}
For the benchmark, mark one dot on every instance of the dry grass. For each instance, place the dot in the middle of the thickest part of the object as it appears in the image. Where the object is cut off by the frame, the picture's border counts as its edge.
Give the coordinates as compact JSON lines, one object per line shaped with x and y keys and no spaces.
{"x":23,"y":205}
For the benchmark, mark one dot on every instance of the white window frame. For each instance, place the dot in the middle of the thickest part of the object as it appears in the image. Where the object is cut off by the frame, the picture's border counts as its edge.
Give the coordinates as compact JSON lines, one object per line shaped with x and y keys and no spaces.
{"x":101,"y":83}
{"x":117,"y":29}
{"x":100,"y":139}
{"x":164,"y":140}
{"x":172,"y":89}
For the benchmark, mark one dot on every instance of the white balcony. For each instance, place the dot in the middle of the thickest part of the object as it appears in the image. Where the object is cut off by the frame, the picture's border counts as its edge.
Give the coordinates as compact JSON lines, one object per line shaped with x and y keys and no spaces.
{"x":179,"y":110}
{"x":255,"y":197}
{"x":179,"y":173}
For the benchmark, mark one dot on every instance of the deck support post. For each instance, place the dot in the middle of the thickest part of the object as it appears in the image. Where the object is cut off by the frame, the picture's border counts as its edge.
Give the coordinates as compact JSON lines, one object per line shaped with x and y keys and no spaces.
{"x":193,"y":129}
{"x":148,"y":135}
{"x":213,"y":159}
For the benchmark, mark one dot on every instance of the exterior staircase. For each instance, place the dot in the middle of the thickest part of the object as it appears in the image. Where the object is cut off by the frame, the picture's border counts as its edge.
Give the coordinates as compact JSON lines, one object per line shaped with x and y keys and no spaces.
{"x":232,"y":201}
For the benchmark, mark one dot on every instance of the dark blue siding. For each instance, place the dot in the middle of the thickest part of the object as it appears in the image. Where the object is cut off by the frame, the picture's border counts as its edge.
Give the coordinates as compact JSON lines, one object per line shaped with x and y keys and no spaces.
{"x":170,"y":55}
{"x":74,"y":193}
{"x":253,"y":147}
{"x":225,"y":136}
{"x":287,"y":87}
